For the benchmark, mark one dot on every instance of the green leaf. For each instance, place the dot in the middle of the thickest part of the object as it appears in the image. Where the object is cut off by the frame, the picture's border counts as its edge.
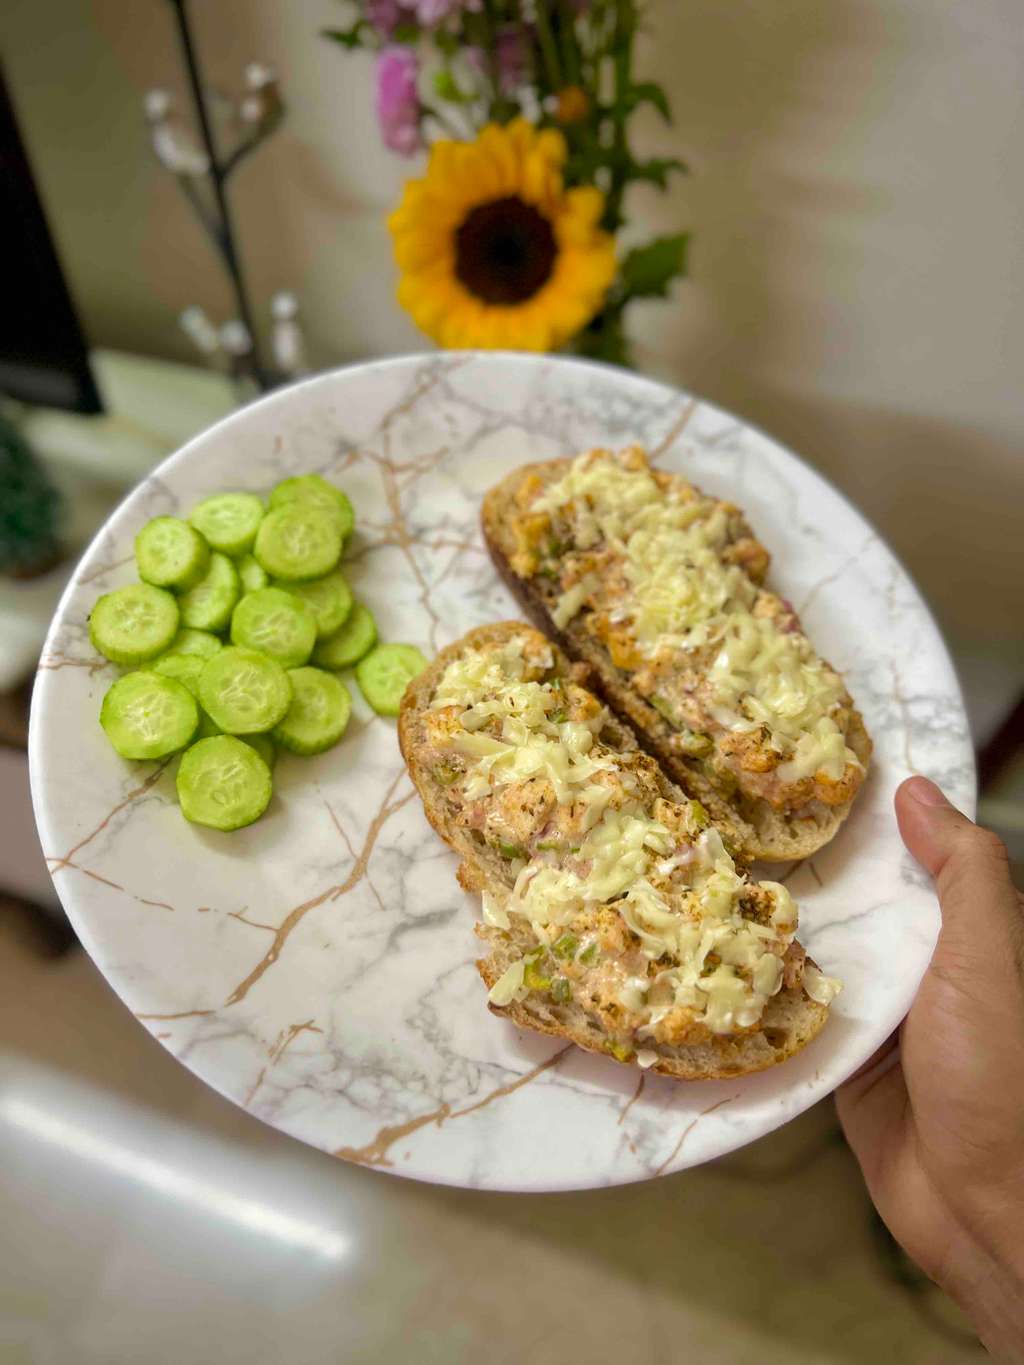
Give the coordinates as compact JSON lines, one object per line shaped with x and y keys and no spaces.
{"x":648,"y":270}
{"x":348,"y":37}
{"x":447,"y":88}
{"x":649,"y":92}
{"x":657,"y":170}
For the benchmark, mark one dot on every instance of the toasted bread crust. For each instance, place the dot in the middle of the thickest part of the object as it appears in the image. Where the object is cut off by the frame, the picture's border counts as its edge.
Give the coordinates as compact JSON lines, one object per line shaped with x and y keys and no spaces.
{"x":790,"y":1021}
{"x":753,"y":826}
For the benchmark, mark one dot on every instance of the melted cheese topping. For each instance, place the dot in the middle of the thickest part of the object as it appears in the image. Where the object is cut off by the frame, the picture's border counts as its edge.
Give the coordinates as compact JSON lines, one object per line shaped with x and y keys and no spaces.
{"x":683,"y":596}
{"x":622,"y":852}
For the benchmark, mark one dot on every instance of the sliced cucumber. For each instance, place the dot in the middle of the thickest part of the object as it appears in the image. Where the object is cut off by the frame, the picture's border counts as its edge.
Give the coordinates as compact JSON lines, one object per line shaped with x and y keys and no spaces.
{"x":244,"y":692}
{"x":298,"y":541}
{"x":329,"y":598}
{"x":263,"y":745}
{"x":148,"y":716}
{"x":277,"y":623}
{"x":385,"y":673}
{"x":318,"y":714}
{"x":312,"y":489}
{"x":251,"y":575}
{"x":169,"y":553}
{"x":186,"y":668}
{"x":223,"y":783}
{"x":208,"y":606}
{"x":348,"y":645}
{"x":134,"y":624}
{"x":229,"y":521}
{"x":198,"y":642}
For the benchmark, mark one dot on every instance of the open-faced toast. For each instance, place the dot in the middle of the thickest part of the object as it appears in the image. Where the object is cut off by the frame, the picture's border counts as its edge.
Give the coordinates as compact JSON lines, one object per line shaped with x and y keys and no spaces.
{"x":659,"y":590}
{"x":613,"y":914}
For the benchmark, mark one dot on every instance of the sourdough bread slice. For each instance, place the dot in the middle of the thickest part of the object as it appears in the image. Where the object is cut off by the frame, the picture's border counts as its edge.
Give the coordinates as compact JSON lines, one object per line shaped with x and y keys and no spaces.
{"x":790,"y":1020}
{"x":753,"y":827}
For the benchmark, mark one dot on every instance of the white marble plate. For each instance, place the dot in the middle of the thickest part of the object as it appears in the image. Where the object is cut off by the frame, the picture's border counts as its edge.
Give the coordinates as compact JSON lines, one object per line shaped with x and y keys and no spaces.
{"x":317,"y":968}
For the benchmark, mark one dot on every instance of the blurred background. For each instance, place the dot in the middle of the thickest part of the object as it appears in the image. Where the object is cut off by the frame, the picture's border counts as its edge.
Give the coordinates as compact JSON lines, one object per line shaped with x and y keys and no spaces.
{"x":856,"y":287}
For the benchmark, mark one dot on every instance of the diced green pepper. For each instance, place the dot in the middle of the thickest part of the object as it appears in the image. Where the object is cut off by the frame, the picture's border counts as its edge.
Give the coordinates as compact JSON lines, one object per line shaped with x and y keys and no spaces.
{"x":700,"y":815}
{"x":534,"y":979}
{"x":446,"y":773}
{"x":589,"y":955}
{"x":566,"y":946}
{"x":510,"y":850}
{"x":561,"y":990}
{"x":694,"y":743}
{"x":621,"y":1051}
{"x":547,"y":845}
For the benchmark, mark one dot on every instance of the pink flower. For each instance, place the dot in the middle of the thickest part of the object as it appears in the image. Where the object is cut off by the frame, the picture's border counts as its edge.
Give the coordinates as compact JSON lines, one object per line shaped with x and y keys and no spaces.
{"x":511,"y":58}
{"x":430,"y":12}
{"x":384,"y":15}
{"x":398,"y":104}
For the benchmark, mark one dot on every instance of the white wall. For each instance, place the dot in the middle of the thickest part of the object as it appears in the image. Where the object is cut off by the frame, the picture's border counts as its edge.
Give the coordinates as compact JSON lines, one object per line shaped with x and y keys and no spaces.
{"x":857,"y":202}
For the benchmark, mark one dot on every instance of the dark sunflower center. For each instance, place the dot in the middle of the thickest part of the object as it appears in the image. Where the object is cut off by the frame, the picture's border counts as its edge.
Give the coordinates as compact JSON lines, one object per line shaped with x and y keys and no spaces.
{"x":504,"y":251}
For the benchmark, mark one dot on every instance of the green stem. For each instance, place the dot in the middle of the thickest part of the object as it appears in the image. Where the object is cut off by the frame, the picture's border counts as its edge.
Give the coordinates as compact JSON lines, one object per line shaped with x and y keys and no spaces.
{"x":548,"y":50}
{"x":570,"y":51}
{"x":625,"y":31}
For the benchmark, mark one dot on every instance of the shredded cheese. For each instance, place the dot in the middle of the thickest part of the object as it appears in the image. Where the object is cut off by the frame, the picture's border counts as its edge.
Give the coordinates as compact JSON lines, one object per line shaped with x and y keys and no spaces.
{"x":623,"y":855}
{"x":683,"y":596}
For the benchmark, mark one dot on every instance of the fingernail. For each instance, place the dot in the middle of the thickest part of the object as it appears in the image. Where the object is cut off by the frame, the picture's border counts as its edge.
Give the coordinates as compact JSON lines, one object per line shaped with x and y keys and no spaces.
{"x":925,"y":792}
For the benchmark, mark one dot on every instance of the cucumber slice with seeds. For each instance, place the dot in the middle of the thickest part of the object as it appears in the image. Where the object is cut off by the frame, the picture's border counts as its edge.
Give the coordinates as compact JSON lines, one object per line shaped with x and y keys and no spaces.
{"x":133,"y":625}
{"x":385,"y":673}
{"x":186,"y":668}
{"x":169,"y":553}
{"x":147,"y":716}
{"x":329,"y":598}
{"x":223,"y":783}
{"x":318,"y":714}
{"x":298,"y":541}
{"x":229,"y":520}
{"x":316,"y":491}
{"x":199,"y":642}
{"x":348,"y":645}
{"x":277,"y":623}
{"x":208,"y":606}
{"x":252,"y":576}
{"x":244,"y":692}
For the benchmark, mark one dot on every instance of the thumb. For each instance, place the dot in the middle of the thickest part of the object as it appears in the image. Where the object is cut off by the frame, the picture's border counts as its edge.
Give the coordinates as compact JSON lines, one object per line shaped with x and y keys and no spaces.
{"x":980,"y":908}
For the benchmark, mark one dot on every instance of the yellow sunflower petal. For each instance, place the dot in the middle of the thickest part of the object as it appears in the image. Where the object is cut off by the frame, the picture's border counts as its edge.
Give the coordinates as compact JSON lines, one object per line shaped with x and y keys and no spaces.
{"x":462,"y":327}
{"x":539,"y":184}
{"x":584,"y":205}
{"x":551,"y":145}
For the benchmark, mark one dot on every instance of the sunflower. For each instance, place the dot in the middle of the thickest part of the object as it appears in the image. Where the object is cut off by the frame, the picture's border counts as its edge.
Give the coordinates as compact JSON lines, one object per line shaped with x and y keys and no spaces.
{"x":494,"y":250}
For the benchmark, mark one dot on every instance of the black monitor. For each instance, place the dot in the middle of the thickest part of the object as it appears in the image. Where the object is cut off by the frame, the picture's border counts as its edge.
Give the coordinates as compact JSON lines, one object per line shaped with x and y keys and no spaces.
{"x":43,"y":355}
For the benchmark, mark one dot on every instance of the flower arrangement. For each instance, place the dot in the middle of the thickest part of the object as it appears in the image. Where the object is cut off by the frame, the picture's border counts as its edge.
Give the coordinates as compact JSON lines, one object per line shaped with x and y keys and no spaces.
{"x":509,"y":238}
